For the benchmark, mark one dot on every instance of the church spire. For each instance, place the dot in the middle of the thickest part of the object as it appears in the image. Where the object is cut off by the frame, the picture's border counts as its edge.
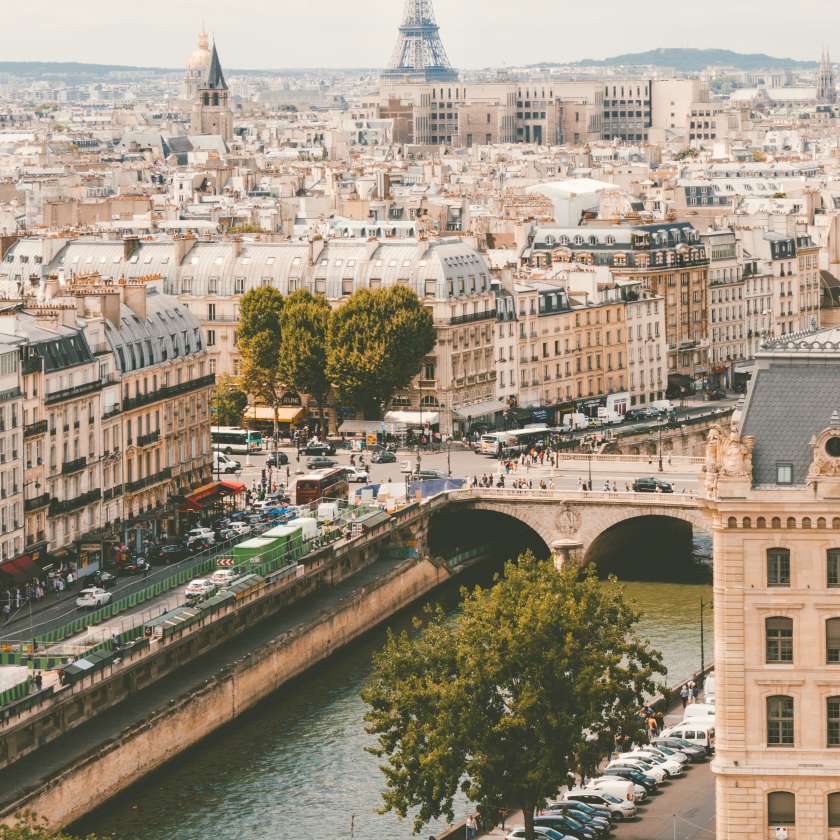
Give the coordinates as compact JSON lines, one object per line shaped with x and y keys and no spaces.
{"x":215,"y":77}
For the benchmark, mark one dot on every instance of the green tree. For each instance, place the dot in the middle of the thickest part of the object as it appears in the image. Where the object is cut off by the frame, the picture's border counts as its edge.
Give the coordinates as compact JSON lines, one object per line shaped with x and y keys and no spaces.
{"x":259,"y":343}
{"x":229,"y":402}
{"x":29,"y":827}
{"x":531,"y":681}
{"x":375,"y":345}
{"x":303,"y":346}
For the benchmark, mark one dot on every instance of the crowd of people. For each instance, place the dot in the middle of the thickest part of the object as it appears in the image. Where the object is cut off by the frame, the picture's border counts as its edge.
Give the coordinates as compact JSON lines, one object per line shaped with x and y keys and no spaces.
{"x":33,"y":591}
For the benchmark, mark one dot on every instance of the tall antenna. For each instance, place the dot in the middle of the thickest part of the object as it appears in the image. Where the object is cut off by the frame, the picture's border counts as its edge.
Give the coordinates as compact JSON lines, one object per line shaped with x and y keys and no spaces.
{"x":419,"y":55}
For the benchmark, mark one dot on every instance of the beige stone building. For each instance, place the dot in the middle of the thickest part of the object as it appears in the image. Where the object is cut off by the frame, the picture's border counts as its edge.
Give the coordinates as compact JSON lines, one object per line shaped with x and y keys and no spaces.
{"x":773,"y":491}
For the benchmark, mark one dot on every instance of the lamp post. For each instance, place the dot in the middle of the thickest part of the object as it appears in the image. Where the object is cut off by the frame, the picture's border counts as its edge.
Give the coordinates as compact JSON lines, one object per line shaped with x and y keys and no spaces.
{"x":659,"y":445}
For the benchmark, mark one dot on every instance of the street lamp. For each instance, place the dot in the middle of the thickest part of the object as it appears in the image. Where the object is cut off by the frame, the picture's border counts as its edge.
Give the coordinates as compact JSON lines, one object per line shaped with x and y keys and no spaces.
{"x":659,"y":445}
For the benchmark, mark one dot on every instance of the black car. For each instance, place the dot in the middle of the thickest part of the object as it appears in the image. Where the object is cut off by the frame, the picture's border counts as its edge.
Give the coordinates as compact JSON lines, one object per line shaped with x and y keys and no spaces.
{"x":277,"y":459}
{"x":634,"y":415}
{"x":650,"y":484}
{"x":569,"y":825}
{"x":573,"y":805}
{"x":168,"y":553}
{"x":318,"y":448}
{"x":647,"y":782}
{"x":600,"y":825}
{"x":383,"y":456}
{"x":320,"y":463}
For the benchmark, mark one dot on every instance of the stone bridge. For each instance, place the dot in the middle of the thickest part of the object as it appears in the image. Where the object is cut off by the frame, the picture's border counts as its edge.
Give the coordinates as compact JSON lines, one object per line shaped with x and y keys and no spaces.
{"x":570,"y":521}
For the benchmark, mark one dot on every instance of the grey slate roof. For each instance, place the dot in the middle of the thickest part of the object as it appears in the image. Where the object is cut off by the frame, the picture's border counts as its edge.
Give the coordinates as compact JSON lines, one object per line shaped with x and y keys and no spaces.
{"x":789,"y":402}
{"x":215,"y":77}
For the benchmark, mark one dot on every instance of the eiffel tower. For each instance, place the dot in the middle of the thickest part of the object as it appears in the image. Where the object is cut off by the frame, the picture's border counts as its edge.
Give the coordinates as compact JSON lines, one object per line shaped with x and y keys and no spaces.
{"x":419,"y":55}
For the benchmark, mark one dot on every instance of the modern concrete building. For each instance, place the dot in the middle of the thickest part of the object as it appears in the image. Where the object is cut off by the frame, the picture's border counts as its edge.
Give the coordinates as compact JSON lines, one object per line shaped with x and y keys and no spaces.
{"x":772,"y":485}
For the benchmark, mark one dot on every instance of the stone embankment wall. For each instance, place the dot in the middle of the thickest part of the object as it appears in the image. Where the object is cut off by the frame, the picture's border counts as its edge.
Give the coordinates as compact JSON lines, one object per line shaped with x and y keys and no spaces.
{"x":135,"y":752}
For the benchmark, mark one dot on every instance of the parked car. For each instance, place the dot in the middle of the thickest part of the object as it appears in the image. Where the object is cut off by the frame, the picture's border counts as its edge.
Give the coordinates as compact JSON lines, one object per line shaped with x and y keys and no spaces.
{"x":93,"y":597}
{"x":318,"y":447}
{"x":357,"y":475}
{"x":640,"y":766}
{"x":201,"y":533}
{"x":568,"y":805}
{"x":223,"y":463}
{"x":565,"y":824}
{"x":241,"y":528}
{"x":693,"y":751}
{"x":277,"y":459}
{"x":559,"y":821}
{"x":169,"y":553}
{"x":426,"y":475}
{"x":620,"y":809}
{"x":320,"y":463}
{"x":650,"y":484}
{"x":518,"y":833}
{"x":222,"y":577}
{"x":672,"y":767}
{"x":383,"y":456}
{"x":634,"y":775}
{"x":199,"y":589}
{"x":698,"y":732}
{"x":668,"y":752}
{"x":607,"y":783}
{"x":699,"y":711}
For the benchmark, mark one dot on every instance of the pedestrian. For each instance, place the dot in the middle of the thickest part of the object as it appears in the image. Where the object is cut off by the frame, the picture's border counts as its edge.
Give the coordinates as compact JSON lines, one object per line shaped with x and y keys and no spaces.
{"x":39,"y":681}
{"x":691,"y":691}
{"x":695,"y":693}
{"x":472,"y":828}
{"x":684,"y":695}
{"x":652,"y":728}
{"x":146,"y":569}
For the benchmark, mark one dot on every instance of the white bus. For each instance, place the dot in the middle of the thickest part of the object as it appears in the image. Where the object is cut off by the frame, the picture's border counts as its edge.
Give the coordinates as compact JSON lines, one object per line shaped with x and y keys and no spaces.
{"x":230,"y":439}
{"x":515,"y":441}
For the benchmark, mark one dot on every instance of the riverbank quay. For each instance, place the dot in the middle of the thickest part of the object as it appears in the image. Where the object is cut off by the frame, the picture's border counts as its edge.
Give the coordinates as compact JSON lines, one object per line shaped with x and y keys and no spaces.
{"x":83,"y":768}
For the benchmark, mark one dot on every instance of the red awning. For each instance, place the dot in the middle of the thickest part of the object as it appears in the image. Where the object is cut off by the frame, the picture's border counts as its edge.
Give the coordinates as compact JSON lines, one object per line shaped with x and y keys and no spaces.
{"x":21,"y":568}
{"x":208,"y":493}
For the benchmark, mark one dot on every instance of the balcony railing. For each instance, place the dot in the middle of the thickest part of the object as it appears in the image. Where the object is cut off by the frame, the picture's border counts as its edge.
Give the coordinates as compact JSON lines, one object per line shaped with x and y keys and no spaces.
{"x":73,"y":466}
{"x":112,"y":412}
{"x":39,"y":427}
{"x":112,"y":493}
{"x":36,"y":503}
{"x":170,"y":391}
{"x":59,"y":507}
{"x":75,"y":391}
{"x":148,"y":439}
{"x":473,"y":316}
{"x":134,"y":486}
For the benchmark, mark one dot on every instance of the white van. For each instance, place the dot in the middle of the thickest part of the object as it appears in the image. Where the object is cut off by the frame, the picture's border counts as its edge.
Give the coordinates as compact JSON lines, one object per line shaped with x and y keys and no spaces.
{"x":224,"y":463}
{"x":699,"y":711}
{"x":700,"y":732}
{"x":615,"y":786}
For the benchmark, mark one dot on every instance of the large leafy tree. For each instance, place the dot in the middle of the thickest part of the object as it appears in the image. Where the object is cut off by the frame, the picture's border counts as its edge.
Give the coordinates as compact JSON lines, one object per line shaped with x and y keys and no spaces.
{"x":229,"y":402}
{"x":376,"y":343}
{"x":303,"y":346}
{"x":259,"y":344}
{"x":533,"y":678}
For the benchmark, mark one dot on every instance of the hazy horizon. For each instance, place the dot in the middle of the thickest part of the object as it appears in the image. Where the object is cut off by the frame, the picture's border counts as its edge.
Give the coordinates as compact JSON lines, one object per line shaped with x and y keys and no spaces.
{"x":476,"y":33}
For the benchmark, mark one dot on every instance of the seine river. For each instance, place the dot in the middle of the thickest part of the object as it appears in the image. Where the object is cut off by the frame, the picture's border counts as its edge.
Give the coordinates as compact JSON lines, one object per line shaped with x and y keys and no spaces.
{"x":295,"y":768}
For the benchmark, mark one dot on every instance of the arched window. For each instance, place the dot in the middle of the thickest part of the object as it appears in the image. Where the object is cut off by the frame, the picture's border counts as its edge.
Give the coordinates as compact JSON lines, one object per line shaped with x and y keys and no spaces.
{"x":806,"y":522}
{"x":776,"y":522}
{"x":832,"y":640}
{"x":761,"y":522}
{"x":778,"y":567}
{"x":835,"y":523}
{"x":791,"y":522}
{"x":832,"y":567}
{"x":746,"y":523}
{"x":832,"y":718}
{"x":732,"y":522}
{"x":429,"y":401}
{"x":778,"y":636}
{"x":781,"y":808}
{"x":780,"y":721}
{"x":821,"y":522}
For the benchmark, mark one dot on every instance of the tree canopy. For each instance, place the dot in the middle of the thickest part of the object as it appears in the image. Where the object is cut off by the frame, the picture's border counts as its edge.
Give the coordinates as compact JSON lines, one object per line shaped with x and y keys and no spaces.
{"x":229,"y":401}
{"x":531,"y":681}
{"x":376,"y":343}
{"x":259,"y":342}
{"x":29,"y":827}
{"x":303,"y":346}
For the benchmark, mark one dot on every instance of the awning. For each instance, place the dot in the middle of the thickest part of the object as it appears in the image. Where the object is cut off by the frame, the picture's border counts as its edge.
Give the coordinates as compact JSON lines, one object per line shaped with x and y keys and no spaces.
{"x":208,"y":493}
{"x":413,"y":418}
{"x":21,"y":568}
{"x":285,"y":414}
{"x":364,"y":427}
{"x":467,"y":412}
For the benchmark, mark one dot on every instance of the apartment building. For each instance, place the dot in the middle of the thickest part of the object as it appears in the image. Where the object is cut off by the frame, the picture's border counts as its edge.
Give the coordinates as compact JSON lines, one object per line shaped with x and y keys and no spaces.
{"x":772,"y":486}
{"x":666,"y":259}
{"x":647,"y":348}
{"x":12,"y":535}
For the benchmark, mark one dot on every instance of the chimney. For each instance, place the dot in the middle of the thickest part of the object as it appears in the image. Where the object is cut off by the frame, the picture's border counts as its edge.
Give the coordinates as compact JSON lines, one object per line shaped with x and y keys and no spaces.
{"x":134,"y":297}
{"x":51,"y":287}
{"x":237,"y":246}
{"x":183,"y":245}
{"x":130,"y":245}
{"x":110,"y":305}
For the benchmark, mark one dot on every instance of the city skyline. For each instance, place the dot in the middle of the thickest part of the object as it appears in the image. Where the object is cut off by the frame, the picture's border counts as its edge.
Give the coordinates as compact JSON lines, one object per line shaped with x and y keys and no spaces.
{"x":341,"y":37}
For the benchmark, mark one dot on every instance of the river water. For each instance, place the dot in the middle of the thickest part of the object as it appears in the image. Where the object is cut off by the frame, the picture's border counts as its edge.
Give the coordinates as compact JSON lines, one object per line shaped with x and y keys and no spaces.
{"x":294,"y":768}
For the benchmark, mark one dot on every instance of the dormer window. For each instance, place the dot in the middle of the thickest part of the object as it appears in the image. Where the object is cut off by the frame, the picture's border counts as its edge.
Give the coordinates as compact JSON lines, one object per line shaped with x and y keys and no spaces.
{"x":784,"y":473}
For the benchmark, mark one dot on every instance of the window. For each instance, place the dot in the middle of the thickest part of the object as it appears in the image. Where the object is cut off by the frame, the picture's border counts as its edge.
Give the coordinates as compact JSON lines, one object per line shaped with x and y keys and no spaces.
{"x":781,"y":808}
{"x":780,"y":721}
{"x":211,"y":338}
{"x":832,"y":567}
{"x":784,"y":473}
{"x":778,"y":567}
{"x":778,"y":632}
{"x":832,"y":707}
{"x":832,"y":640}
{"x":238,"y":285}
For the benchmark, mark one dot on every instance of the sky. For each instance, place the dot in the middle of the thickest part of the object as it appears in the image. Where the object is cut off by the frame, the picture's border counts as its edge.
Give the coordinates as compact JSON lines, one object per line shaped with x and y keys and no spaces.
{"x":267,"y":34}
